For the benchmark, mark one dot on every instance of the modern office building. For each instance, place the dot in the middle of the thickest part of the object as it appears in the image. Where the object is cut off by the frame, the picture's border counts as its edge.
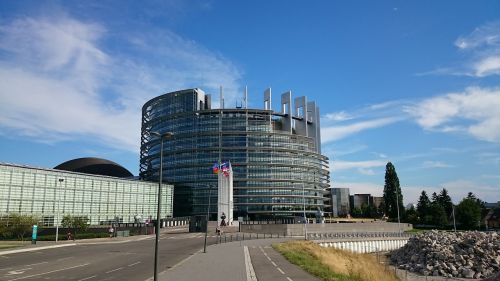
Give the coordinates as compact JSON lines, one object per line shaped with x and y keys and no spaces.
{"x":276,"y":156}
{"x":358,"y":200}
{"x":50,"y":194}
{"x":340,"y":205}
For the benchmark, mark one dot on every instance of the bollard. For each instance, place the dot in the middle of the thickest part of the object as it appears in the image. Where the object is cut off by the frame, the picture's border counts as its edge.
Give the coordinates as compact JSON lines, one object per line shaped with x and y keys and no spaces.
{"x":243,"y":237}
{"x":225,"y":236}
{"x":231,"y":240}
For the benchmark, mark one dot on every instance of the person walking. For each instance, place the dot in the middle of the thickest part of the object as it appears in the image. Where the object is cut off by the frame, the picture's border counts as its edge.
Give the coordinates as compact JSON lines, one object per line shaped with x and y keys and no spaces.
{"x":111,"y":231}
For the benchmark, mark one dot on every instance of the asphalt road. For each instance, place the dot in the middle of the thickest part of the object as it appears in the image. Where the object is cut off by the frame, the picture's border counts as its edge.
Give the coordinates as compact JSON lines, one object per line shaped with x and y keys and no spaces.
{"x":105,"y":260}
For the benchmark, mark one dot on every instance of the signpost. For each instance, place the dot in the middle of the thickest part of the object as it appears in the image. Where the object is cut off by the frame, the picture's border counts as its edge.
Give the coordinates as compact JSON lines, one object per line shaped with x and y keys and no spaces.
{"x":34,"y":233}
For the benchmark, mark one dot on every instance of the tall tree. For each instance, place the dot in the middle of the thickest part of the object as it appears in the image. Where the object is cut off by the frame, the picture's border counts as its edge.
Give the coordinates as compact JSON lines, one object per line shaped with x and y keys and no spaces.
{"x":469,"y":212}
{"x":444,"y":200}
{"x":392,"y":193}
{"x":437,"y":215}
{"x":434,"y":197}
{"x":423,"y":205}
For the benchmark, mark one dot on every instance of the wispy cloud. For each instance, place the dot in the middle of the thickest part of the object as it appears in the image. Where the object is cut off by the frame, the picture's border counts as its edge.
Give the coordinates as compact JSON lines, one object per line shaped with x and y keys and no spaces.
{"x":61,"y":81}
{"x":436,"y":164}
{"x":342,"y":124}
{"x":459,"y":188}
{"x":338,"y":116}
{"x":363,"y":167}
{"x":478,"y":107}
{"x":482,"y":47}
{"x":334,"y":133}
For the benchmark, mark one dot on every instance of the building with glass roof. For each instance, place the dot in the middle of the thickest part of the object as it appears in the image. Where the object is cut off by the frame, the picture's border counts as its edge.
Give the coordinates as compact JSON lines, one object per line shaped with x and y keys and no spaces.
{"x":49,"y":194}
{"x":275,"y":155}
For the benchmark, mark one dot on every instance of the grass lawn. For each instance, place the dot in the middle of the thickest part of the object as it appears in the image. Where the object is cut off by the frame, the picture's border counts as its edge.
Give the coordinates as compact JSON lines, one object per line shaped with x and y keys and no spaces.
{"x":12,"y":244}
{"x":330,"y":264}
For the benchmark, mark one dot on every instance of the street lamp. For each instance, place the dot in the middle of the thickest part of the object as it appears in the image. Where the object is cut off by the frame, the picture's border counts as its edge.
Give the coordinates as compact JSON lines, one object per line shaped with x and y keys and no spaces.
{"x":57,"y":217}
{"x":304,"y":201}
{"x":208,"y":215}
{"x":161,"y":137}
{"x":397,"y":204}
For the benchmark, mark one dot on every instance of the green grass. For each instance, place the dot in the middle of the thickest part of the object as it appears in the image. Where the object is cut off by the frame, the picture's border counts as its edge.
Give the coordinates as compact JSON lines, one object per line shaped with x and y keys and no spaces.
{"x":330,"y":264}
{"x":311,"y":264}
{"x":11,"y":244}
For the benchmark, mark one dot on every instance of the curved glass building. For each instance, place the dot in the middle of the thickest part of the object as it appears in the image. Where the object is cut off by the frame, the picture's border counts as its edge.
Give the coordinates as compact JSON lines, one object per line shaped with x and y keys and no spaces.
{"x":276,"y":157}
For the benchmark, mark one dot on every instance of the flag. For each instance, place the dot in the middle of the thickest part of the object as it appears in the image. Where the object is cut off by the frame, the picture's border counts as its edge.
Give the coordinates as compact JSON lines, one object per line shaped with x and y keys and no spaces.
{"x":216,"y":168}
{"x":225,"y":167}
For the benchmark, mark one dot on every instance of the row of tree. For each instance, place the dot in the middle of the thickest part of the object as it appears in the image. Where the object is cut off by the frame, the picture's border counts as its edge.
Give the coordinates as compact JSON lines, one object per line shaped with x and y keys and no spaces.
{"x":20,"y":226}
{"x":437,"y":211}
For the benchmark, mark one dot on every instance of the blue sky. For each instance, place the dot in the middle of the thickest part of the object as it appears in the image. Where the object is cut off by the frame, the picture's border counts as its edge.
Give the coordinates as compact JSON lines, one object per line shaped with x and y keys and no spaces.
{"x":416,"y":83}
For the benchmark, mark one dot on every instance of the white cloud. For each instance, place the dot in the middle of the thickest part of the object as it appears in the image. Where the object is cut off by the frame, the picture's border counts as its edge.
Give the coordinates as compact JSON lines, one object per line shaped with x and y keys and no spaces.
{"x":482,"y":50}
{"x":334,"y":133}
{"x":436,"y":164}
{"x":459,"y":188}
{"x":478,"y":107}
{"x":367,"y":172}
{"x":339,"y":165}
{"x":338,"y":116}
{"x":486,"y":35}
{"x":63,"y":83}
{"x":488,"y":66}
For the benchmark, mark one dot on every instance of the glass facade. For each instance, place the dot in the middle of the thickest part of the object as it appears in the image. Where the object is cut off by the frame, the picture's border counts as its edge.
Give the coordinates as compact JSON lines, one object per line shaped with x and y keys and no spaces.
{"x":340,"y":201}
{"x":276,"y":172}
{"x":51,"y":194}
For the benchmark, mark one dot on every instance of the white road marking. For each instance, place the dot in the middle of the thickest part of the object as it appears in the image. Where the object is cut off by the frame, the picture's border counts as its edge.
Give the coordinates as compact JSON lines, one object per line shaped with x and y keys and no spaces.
{"x":269,"y":258}
{"x":37,"y":263}
{"x":19,"y":271}
{"x":37,"y":249}
{"x":248,"y":265}
{"x":90,"y":277}
{"x":116,"y":269}
{"x":48,"y":272}
{"x":274,"y":264}
{"x":134,"y":263}
{"x":289,"y":279}
{"x":279,"y":269}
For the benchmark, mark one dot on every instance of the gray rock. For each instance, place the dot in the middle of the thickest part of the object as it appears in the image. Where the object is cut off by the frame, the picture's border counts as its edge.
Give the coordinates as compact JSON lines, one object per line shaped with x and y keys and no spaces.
{"x":460,"y":254}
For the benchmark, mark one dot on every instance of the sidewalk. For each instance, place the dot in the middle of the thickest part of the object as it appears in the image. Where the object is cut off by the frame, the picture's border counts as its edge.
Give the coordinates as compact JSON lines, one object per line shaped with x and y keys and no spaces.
{"x":222,"y":262}
{"x":40,"y":245}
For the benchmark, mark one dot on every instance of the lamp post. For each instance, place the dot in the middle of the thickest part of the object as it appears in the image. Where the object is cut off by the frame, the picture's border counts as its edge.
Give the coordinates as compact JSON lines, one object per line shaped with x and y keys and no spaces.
{"x":57,"y":215}
{"x":157,"y":238}
{"x":397,"y":204}
{"x":304,"y":202}
{"x":454,"y":224}
{"x":208,"y":215}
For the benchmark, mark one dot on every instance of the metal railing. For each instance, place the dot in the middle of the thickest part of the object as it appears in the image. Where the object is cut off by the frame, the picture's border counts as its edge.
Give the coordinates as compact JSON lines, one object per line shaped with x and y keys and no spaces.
{"x":343,"y":235}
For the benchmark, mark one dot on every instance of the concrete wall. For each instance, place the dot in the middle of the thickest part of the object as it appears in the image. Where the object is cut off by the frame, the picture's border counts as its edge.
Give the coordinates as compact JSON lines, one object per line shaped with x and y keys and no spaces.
{"x":298,"y":229}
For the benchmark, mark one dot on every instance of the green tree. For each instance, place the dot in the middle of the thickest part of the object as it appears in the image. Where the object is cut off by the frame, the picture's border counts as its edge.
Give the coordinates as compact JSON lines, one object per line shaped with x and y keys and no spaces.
{"x":357,"y":213}
{"x":444,"y":200}
{"x":19,"y":225}
{"x":75,"y":223}
{"x":437,"y":215}
{"x":423,"y":206}
{"x":411,"y":216}
{"x":392,"y":193}
{"x":468,"y":213}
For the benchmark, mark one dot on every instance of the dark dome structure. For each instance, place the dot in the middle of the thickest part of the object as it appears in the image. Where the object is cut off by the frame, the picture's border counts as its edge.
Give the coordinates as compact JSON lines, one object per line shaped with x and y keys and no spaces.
{"x":95,"y":166}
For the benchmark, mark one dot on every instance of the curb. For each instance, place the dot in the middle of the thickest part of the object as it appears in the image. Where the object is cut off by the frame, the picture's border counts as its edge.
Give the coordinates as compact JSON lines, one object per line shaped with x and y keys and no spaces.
{"x":35,"y":249}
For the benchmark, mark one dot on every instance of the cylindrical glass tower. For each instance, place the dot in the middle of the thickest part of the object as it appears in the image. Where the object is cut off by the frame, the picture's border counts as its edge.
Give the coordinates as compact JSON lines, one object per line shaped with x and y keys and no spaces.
{"x":277,"y":165}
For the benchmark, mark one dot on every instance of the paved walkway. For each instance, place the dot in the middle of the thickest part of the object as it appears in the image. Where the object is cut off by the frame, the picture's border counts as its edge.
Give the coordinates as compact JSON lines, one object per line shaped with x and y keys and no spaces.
{"x":248,"y":260}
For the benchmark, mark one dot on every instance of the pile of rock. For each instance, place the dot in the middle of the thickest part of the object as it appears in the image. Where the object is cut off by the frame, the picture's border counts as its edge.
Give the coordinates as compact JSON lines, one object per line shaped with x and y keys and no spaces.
{"x":461,"y":254}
